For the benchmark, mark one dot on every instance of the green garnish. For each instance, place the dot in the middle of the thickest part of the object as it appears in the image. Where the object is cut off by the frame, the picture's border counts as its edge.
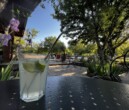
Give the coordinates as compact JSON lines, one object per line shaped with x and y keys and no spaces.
{"x":34,"y":67}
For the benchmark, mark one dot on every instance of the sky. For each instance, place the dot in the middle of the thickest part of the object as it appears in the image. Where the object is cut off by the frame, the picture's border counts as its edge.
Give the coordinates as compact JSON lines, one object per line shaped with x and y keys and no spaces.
{"x":42,"y":21}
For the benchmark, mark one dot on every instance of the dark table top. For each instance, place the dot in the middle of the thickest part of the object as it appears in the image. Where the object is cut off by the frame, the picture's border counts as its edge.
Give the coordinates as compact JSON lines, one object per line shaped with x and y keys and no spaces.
{"x":69,"y":93}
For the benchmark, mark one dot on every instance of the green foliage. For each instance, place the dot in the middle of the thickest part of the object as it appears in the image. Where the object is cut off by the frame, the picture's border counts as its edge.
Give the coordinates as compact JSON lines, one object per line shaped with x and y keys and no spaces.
{"x":29,"y":35}
{"x":88,"y":54}
{"x":117,"y":69}
{"x":82,"y":48}
{"x":6,"y":72}
{"x":77,"y":48}
{"x":123,"y":48}
{"x":69,"y":52}
{"x":41,"y":50}
{"x":94,"y":68}
{"x":34,"y":32}
{"x":58,"y":48}
{"x":29,"y":49}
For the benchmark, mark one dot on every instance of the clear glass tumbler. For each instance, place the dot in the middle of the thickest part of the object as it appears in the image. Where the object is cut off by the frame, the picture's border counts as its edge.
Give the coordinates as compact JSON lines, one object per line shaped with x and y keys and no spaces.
{"x":33,"y":75}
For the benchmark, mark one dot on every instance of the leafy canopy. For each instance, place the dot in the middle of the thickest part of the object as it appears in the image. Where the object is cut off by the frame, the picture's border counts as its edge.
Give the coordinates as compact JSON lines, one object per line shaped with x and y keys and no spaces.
{"x":59,"y":47}
{"x":100,"y":21}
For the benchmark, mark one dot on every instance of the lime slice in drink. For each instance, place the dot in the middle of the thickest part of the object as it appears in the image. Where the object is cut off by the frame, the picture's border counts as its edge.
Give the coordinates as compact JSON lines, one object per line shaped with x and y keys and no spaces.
{"x":40,"y":66}
{"x":34,"y":67}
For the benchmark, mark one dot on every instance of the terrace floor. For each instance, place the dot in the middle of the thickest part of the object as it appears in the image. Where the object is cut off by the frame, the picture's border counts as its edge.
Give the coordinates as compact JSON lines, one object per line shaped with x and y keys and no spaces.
{"x":67,"y":70}
{"x":71,"y":70}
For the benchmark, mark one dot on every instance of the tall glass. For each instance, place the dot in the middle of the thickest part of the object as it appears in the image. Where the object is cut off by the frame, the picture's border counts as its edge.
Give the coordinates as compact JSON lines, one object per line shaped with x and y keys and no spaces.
{"x":33,"y":74}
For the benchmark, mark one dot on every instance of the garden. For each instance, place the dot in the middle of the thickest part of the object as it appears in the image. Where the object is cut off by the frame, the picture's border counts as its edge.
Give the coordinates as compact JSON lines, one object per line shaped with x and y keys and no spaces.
{"x":98,"y":33}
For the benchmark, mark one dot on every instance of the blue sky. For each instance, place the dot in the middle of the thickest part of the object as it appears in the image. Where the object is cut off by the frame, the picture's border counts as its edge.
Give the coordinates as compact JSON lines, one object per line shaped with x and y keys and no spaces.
{"x":42,"y":21}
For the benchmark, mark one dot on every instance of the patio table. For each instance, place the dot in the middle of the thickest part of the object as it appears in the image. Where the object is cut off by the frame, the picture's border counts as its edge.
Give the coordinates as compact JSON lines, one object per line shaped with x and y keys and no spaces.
{"x":69,"y":93}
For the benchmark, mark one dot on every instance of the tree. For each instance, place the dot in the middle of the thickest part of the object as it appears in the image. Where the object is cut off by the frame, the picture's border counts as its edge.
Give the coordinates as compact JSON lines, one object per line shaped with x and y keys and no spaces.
{"x":59,"y":47}
{"x":30,"y":34}
{"x":91,"y":49}
{"x":77,"y":48}
{"x":69,"y":52}
{"x":123,"y":48}
{"x":81,"y":48}
{"x":100,"y":21}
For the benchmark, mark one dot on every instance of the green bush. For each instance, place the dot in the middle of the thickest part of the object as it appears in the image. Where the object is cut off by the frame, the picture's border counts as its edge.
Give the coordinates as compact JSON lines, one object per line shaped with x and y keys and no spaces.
{"x":94,"y":68}
{"x":117,"y":69}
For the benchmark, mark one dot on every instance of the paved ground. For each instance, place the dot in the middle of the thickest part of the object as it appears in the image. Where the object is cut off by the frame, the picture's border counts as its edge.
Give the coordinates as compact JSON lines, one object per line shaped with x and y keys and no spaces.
{"x":67,"y":70}
{"x":70,"y":70}
{"x":63,"y":69}
{"x":125,"y":78}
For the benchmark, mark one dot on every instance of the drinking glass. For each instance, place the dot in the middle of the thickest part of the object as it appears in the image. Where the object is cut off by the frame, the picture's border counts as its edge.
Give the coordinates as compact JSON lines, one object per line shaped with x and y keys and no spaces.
{"x":33,"y":74}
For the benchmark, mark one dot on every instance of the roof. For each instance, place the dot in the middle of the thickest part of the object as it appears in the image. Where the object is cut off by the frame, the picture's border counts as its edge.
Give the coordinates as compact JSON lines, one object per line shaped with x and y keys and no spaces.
{"x":20,"y":9}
